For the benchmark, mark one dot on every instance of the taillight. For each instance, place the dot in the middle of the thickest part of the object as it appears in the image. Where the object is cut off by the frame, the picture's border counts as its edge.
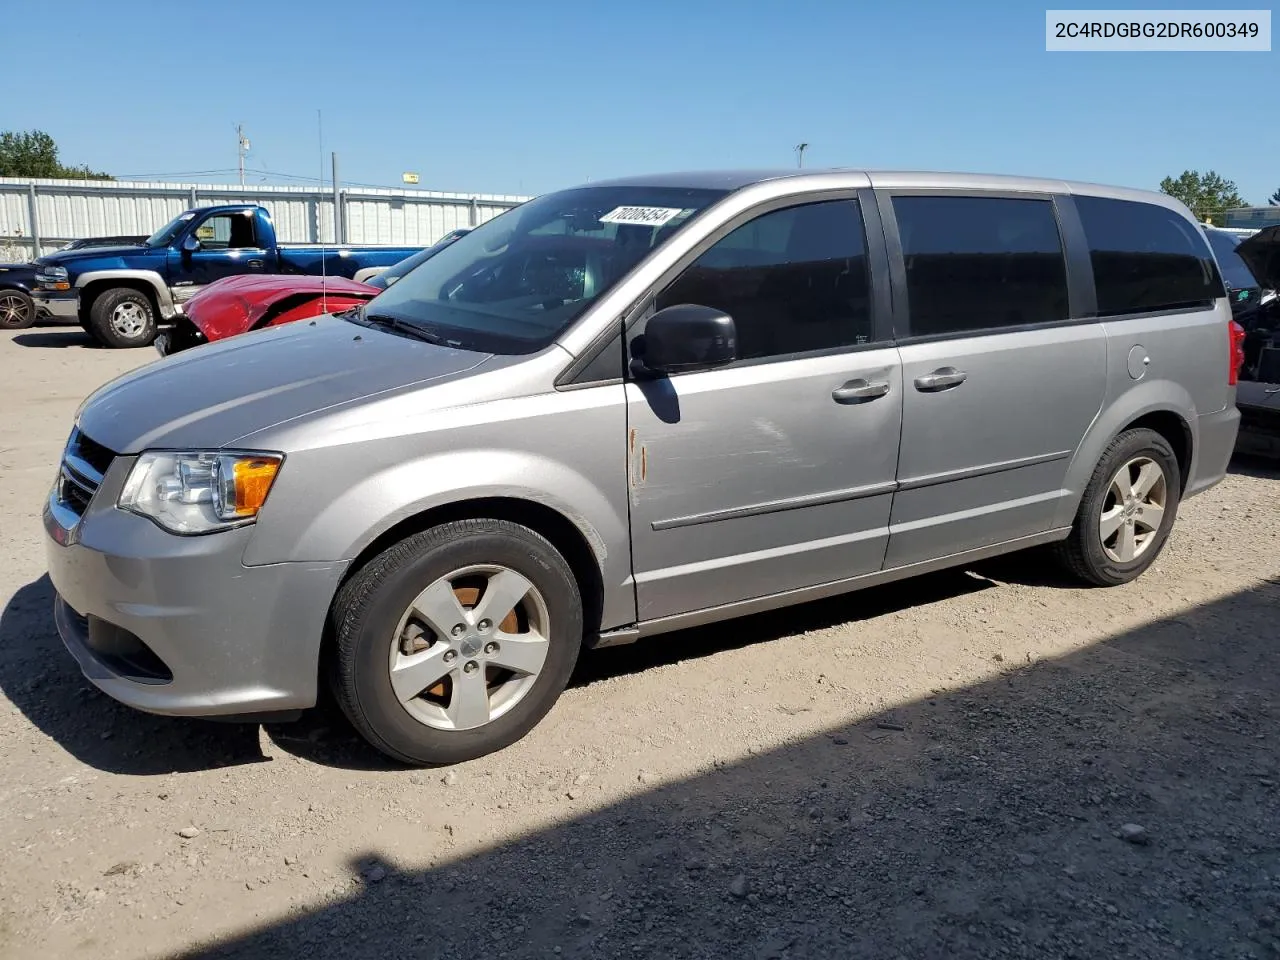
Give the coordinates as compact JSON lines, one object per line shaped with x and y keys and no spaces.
{"x":1237,"y":352}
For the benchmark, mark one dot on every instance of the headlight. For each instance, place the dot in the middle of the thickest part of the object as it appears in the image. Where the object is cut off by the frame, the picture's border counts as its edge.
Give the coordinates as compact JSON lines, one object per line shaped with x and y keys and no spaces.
{"x":53,"y":278}
{"x":197,"y":491}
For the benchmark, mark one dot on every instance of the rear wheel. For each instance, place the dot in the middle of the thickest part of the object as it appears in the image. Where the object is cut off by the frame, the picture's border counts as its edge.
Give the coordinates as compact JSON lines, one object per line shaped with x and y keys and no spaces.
{"x":457,"y":641}
{"x":1127,"y":511}
{"x":17,"y":312}
{"x":123,"y":317}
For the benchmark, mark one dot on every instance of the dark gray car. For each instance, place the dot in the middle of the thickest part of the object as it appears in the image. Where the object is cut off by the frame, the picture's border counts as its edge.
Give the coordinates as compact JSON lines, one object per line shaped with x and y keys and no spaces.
{"x":631,"y":407}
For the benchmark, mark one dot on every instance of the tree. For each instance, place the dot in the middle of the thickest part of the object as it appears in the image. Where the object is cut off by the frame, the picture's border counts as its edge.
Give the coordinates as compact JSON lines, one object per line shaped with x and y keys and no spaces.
{"x":1274,"y":199}
{"x":35,"y":154}
{"x":1206,"y":194}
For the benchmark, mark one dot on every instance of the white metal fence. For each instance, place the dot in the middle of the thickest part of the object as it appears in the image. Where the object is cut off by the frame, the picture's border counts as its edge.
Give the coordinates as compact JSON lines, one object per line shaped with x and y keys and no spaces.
{"x":37,"y":216}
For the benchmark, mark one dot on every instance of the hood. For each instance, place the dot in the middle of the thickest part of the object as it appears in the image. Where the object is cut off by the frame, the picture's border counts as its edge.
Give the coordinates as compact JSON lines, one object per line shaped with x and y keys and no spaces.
{"x":66,"y":258}
{"x":237,"y":304}
{"x":1261,"y":254}
{"x":212,"y":396}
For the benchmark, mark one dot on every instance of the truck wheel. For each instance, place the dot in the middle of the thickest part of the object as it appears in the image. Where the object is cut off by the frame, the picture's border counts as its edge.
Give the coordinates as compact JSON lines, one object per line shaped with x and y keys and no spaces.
{"x":123,"y":317}
{"x":456,"y":641}
{"x":1127,"y":511}
{"x":17,"y":312}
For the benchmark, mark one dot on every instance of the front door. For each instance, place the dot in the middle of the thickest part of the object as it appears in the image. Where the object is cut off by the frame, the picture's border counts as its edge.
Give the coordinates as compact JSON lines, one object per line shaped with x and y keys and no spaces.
{"x":228,"y":246}
{"x":775,"y":472}
{"x":1000,"y":385}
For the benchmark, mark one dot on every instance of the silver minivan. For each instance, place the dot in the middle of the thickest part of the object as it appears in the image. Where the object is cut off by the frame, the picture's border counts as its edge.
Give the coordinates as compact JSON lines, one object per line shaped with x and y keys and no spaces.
{"x":631,"y":407}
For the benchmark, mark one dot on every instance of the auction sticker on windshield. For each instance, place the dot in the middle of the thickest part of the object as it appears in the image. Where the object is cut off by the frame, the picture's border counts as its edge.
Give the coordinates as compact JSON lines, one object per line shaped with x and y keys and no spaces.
{"x":647,"y":216}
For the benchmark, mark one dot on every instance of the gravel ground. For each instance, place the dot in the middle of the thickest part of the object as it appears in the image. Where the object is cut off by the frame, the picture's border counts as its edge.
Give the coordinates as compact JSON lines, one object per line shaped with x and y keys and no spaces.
{"x":980,"y":763}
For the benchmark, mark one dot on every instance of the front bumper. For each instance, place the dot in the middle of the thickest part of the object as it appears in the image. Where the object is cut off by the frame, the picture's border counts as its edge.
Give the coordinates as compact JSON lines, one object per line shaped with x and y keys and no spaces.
{"x":179,"y":625}
{"x":61,"y":305}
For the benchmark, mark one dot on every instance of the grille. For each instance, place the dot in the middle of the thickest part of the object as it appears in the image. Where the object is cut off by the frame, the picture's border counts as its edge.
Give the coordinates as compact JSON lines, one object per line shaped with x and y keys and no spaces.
{"x":84,"y":462}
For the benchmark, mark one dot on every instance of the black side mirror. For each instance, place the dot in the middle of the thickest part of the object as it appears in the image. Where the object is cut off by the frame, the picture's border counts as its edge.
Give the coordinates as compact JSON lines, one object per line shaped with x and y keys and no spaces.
{"x":190,"y":243}
{"x":685,"y":337}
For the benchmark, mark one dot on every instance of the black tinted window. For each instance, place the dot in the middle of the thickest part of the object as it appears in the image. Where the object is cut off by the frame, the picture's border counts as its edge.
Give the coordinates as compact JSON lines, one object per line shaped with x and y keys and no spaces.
{"x":1234,"y":270}
{"x":975,"y":263}
{"x":1146,"y":257}
{"x":793,"y":280}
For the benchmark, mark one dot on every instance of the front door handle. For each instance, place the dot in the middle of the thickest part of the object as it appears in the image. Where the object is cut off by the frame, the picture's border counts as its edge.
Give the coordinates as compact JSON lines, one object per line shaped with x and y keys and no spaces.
{"x":944,"y":378}
{"x":255,"y":264}
{"x":859,"y":391}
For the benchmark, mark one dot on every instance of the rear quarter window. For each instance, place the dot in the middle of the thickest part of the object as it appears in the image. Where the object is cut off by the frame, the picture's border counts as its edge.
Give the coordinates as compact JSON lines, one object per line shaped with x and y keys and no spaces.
{"x":1146,"y":257}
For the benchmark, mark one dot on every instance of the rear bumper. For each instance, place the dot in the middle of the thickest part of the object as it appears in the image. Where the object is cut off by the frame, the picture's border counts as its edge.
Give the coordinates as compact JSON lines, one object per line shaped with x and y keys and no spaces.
{"x":1215,"y":443}
{"x":60,"y":306}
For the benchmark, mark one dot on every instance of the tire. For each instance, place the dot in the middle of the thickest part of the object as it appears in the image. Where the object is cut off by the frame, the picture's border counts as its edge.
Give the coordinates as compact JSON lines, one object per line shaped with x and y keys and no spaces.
{"x":87,"y":326}
{"x":17,"y":311}
{"x":1108,"y":560}
{"x":375,"y":626}
{"x":123,"y":317}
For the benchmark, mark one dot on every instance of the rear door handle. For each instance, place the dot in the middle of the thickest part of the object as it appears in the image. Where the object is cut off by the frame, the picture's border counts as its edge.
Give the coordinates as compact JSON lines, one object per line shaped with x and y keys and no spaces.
{"x":255,"y":264}
{"x":859,"y":391}
{"x":944,"y":378}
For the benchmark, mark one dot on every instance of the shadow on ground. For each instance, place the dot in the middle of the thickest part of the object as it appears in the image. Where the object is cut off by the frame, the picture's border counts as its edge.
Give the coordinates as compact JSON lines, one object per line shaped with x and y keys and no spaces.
{"x":41,"y":679}
{"x":1249,"y":465}
{"x":985,"y":822}
{"x":57,"y":337}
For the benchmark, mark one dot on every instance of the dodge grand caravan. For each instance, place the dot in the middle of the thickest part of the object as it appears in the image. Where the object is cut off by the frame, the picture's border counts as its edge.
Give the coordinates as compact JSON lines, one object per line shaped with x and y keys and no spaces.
{"x":631,"y":407}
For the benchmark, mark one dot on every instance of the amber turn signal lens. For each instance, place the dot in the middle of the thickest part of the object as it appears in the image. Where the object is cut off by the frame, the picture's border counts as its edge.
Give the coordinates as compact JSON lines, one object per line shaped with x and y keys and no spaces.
{"x":253,"y":479}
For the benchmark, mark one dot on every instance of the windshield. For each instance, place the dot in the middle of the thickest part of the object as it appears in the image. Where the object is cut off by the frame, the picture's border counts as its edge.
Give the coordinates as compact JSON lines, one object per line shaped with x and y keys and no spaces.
{"x":164,"y":236}
{"x":397,"y":270}
{"x":1234,"y":270}
{"x":514,"y":283}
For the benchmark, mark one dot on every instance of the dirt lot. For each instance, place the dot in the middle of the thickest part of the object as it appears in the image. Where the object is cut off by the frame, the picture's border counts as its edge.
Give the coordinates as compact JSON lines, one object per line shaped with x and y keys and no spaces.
{"x":983,"y":763}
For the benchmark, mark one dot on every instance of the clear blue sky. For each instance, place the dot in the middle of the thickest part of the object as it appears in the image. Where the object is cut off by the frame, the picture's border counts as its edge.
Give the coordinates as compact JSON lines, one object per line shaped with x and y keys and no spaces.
{"x":502,"y":96}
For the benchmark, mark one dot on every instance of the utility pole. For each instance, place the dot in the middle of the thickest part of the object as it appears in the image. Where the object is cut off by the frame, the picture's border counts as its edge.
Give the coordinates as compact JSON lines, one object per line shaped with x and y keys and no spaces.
{"x":242,"y":147}
{"x":800,"y":148}
{"x":338,"y":212}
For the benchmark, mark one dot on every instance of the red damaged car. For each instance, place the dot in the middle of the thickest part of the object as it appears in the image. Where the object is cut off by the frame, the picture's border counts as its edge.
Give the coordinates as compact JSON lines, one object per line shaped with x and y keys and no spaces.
{"x":236,"y":305}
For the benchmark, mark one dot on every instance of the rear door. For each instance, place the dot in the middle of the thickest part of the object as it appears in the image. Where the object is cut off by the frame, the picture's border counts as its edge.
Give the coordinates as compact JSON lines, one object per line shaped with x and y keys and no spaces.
{"x":1000,"y":384}
{"x":776,"y":472}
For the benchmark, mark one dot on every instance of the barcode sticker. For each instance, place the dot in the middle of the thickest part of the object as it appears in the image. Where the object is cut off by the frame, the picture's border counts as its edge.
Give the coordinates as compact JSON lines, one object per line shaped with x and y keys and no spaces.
{"x":647,"y":216}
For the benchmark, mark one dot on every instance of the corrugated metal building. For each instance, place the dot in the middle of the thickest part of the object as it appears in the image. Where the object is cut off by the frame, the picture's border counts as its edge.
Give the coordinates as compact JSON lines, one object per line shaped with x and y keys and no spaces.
{"x":1252,"y":218}
{"x":40,"y":215}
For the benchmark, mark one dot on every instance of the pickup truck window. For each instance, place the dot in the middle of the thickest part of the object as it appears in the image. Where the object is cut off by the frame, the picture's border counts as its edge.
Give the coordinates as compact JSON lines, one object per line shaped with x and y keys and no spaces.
{"x":514,"y":283}
{"x":164,"y":236}
{"x":227,"y":231}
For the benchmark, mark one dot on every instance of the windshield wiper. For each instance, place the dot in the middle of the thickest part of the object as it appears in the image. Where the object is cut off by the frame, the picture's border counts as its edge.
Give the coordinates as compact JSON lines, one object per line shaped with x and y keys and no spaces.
{"x":403,"y":327}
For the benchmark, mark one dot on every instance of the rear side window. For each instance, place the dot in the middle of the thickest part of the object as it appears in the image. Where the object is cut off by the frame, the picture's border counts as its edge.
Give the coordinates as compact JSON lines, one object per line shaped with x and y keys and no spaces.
{"x":1146,"y":257}
{"x":793,"y":280}
{"x":980,"y":263}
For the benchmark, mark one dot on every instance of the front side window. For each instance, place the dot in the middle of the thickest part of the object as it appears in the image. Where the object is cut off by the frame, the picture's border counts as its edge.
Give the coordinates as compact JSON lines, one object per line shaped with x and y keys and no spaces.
{"x":226,"y":231}
{"x":980,"y":263}
{"x":793,"y":280}
{"x":515,"y":282}
{"x":1146,"y":257}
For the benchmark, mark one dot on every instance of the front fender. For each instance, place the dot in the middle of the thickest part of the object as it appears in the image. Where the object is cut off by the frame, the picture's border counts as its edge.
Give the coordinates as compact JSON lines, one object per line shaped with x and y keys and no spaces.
{"x":1140,"y":400}
{"x":298,"y":522}
{"x":164,"y":300}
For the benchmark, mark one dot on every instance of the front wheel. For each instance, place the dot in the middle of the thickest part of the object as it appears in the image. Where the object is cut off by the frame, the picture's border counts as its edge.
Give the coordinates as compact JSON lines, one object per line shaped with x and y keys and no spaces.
{"x":17,"y":312}
{"x":1127,"y":510}
{"x":123,"y":317}
{"x":455,"y":642}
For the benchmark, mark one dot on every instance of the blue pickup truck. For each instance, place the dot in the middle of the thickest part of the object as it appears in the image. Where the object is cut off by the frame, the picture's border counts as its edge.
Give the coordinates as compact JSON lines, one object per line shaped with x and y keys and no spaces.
{"x":121,"y":295}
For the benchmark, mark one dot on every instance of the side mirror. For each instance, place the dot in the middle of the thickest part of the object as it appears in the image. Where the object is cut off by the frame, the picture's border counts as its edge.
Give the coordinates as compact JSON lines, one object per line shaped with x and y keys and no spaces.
{"x":190,"y":243}
{"x":685,"y":337}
